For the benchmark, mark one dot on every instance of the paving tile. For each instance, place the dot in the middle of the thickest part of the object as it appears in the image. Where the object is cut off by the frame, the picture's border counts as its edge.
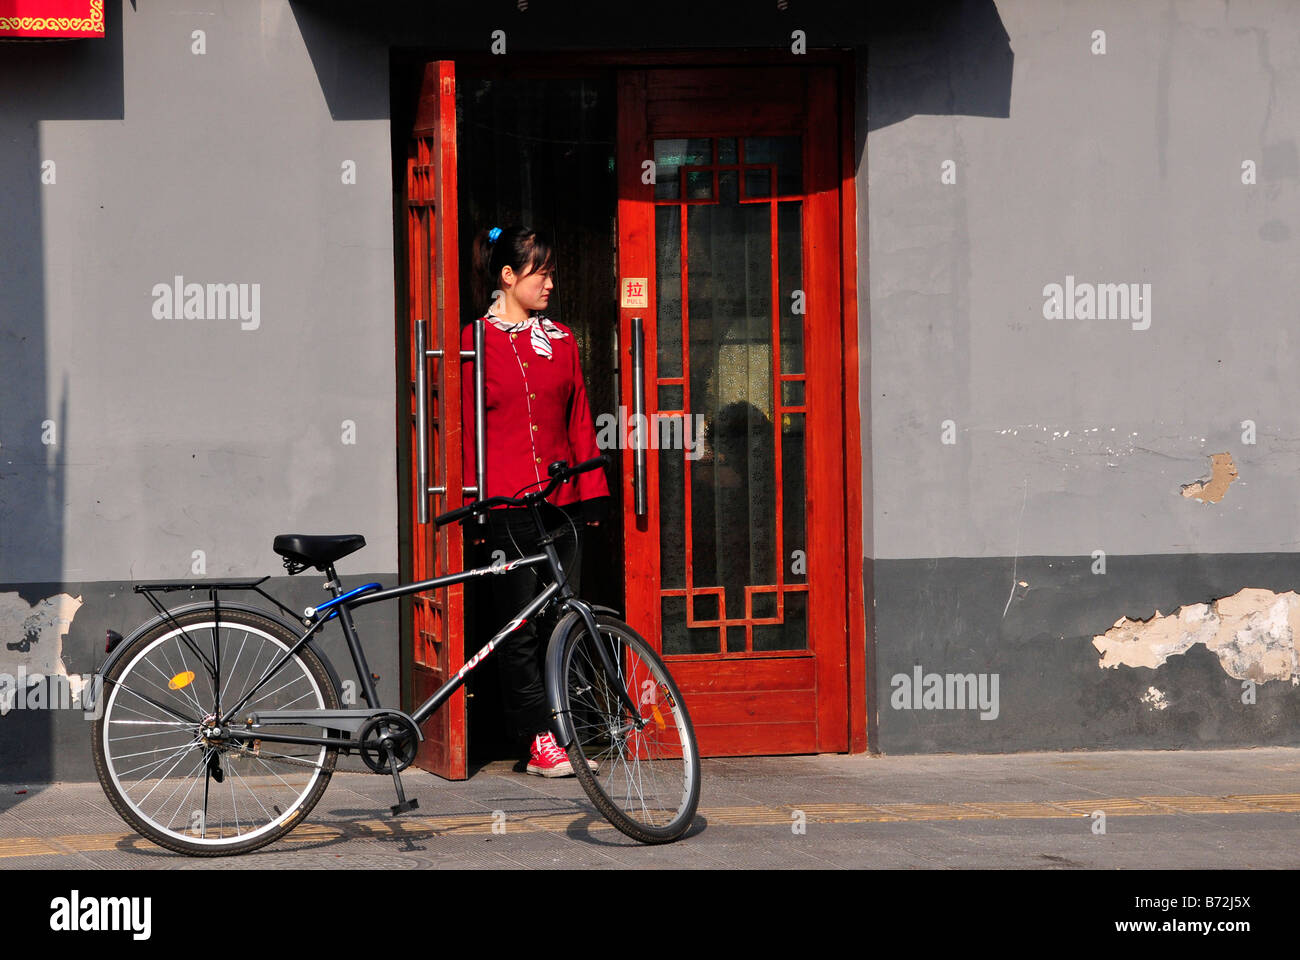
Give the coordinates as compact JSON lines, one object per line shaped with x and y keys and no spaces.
{"x":1212,"y":809}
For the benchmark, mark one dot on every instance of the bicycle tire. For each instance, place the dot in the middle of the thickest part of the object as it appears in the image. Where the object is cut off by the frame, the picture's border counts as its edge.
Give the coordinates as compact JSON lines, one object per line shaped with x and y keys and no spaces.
{"x":647,"y":781}
{"x":249,"y":644}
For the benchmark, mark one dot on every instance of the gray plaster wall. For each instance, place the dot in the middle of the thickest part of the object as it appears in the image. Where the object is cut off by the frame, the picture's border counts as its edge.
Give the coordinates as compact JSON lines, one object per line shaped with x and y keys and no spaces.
{"x":1076,"y":435}
{"x":177,"y":435}
{"x":137,"y":447}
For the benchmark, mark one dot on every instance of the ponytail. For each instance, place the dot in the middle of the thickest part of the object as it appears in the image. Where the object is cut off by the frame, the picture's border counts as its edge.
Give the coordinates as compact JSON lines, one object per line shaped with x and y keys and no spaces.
{"x":521,"y":248}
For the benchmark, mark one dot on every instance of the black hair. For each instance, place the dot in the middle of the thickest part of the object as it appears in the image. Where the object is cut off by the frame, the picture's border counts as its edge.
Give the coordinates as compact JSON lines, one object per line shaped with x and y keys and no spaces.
{"x":523,"y":249}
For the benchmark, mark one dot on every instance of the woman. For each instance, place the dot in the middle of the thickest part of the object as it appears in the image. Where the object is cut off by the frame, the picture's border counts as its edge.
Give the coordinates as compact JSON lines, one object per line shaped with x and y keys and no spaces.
{"x":536,"y":411}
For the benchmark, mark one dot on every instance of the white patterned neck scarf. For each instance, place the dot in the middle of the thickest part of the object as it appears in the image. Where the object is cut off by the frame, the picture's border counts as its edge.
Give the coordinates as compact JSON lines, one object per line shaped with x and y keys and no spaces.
{"x":541,"y":331}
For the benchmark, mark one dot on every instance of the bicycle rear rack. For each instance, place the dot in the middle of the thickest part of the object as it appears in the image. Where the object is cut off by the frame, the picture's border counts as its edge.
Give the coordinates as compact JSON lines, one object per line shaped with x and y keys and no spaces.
{"x":213,"y":587}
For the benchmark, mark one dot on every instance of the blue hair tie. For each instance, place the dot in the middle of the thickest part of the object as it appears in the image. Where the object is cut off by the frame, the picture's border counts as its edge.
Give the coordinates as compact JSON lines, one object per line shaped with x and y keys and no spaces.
{"x":493,"y":234}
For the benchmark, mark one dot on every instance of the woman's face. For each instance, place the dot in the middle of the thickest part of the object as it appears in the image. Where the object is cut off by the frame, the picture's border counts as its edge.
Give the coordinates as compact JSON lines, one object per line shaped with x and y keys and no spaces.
{"x":532,"y":290}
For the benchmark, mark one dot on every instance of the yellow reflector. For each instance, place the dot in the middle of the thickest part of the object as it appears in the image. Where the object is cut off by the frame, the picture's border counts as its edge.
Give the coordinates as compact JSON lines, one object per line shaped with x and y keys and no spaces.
{"x":181,"y":680}
{"x":659,"y":717}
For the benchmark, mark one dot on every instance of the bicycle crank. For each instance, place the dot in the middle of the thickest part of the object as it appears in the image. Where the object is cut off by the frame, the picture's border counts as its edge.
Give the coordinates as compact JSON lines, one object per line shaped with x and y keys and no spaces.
{"x":394,"y":732}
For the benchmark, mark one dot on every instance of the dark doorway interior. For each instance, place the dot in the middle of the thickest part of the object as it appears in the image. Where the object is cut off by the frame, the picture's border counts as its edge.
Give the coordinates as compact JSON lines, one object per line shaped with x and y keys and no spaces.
{"x":539,"y":150}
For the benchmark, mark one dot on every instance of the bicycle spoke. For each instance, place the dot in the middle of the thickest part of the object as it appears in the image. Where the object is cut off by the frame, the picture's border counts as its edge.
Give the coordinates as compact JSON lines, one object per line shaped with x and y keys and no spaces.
{"x":174,"y":673}
{"x":183,"y":748}
{"x":253,"y":703}
{"x":192,"y":779}
{"x":156,"y":759}
{"x":231,"y":672}
{"x":233,"y":805}
{"x":154,"y":703}
{"x":271,"y":771}
{"x":646,"y":764}
{"x":207,"y":786}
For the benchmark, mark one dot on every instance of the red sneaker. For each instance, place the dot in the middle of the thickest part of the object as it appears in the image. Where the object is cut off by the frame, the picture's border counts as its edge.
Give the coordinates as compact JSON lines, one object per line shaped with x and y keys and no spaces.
{"x":548,"y":760}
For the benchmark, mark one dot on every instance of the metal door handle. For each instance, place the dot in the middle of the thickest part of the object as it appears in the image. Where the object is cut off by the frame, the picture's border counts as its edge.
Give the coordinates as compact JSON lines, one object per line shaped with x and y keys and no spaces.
{"x":638,"y":413}
{"x":421,"y":424}
{"x":422,"y":355}
{"x":480,"y":412}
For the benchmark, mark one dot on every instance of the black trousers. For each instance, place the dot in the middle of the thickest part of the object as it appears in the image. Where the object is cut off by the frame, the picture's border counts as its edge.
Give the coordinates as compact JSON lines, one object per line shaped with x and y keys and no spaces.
{"x":521,"y":657}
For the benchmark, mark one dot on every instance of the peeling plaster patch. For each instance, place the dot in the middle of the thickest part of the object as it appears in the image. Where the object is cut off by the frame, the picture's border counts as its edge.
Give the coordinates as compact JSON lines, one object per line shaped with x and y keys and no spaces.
{"x":1222,"y":472}
{"x":1155,"y":699}
{"x":31,"y":637}
{"x":1254,"y":633}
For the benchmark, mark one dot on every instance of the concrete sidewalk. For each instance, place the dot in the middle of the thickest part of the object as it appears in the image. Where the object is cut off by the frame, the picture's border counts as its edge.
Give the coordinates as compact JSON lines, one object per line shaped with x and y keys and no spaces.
{"x":1162,"y":809}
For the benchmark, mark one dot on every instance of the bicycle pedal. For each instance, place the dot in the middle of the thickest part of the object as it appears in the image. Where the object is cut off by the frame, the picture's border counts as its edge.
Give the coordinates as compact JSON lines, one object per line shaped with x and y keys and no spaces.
{"x":405,"y":805}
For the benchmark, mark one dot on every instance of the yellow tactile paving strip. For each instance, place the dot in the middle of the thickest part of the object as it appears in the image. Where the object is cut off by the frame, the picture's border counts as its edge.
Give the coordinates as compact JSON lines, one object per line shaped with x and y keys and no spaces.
{"x":749,"y":816}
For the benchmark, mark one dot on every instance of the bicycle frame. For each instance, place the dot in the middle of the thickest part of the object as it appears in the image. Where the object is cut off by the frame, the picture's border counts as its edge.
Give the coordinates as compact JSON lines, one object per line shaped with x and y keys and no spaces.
{"x":342,"y":604}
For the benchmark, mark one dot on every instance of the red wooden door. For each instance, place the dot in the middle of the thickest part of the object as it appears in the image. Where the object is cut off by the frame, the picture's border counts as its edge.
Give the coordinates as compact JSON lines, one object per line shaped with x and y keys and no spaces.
{"x":728,"y":228}
{"x":433,"y":303}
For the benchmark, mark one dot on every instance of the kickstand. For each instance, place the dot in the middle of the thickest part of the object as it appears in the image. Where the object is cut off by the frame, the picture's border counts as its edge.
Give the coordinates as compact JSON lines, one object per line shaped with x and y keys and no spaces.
{"x":402,"y":804}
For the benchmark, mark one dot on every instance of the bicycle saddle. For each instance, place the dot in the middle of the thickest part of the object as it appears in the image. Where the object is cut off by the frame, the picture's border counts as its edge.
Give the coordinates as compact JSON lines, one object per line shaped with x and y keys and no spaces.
{"x":318,"y":552}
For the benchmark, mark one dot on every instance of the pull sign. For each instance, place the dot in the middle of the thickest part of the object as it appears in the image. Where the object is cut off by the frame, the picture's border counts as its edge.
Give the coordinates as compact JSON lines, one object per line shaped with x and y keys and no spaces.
{"x":634,"y":292}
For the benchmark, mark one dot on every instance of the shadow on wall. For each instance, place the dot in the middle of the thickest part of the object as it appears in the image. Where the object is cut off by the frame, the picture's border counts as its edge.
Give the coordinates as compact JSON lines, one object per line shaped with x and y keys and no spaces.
{"x":928,"y":57}
{"x":59,"y":80}
{"x":948,"y":58}
{"x":944,"y":57}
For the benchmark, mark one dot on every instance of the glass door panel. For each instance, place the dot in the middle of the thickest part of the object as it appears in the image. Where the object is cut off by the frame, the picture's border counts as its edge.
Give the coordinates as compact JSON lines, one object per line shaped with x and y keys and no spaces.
{"x":730,"y":360}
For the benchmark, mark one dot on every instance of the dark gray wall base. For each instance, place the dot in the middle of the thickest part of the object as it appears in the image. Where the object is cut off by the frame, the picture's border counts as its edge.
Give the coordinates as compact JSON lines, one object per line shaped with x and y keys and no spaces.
{"x":39,"y":746}
{"x":946,"y":615}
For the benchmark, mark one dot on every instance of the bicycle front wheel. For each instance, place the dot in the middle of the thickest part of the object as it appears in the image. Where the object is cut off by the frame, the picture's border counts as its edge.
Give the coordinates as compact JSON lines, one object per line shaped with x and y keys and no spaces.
{"x":647,"y":776}
{"x":164,"y":773}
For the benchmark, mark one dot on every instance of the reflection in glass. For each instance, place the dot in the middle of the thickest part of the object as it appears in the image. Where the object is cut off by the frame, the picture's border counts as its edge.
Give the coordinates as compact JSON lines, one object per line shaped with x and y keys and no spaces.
{"x":699,"y":185}
{"x":706,"y":606}
{"x":668,"y":295}
{"x":735,"y":639}
{"x":672,"y":520}
{"x":786,"y":153}
{"x":733,"y":497}
{"x":793,"y":494}
{"x":791,"y":635}
{"x":727,"y":187}
{"x":671,"y":156}
{"x":789,"y":225}
{"x":732,"y":488}
{"x":679,"y":639}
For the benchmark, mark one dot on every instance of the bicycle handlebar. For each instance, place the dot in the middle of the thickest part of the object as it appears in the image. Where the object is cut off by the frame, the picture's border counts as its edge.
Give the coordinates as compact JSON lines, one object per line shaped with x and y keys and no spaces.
{"x":560,"y":473}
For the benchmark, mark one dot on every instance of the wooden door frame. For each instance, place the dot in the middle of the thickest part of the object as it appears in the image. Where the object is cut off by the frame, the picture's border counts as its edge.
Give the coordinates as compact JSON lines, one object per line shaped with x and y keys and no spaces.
{"x":841,"y":717}
{"x":860,"y":653}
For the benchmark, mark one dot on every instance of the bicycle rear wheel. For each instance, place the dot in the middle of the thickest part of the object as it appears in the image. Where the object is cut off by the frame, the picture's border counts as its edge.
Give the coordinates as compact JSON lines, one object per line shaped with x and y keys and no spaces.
{"x":647,"y":781}
{"x":196,"y":796}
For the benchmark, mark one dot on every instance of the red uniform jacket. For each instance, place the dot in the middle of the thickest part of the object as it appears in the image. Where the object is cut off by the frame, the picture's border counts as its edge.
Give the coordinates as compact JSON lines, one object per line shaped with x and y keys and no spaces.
{"x":537,"y":413}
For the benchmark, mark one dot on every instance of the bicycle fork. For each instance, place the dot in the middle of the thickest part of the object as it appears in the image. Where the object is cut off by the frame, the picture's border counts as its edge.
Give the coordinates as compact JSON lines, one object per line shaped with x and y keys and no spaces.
{"x":561,"y":722}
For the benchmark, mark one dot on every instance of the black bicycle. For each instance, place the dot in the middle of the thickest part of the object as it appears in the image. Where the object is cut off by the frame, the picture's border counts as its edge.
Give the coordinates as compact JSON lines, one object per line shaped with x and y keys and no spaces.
{"x":222,"y":724}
